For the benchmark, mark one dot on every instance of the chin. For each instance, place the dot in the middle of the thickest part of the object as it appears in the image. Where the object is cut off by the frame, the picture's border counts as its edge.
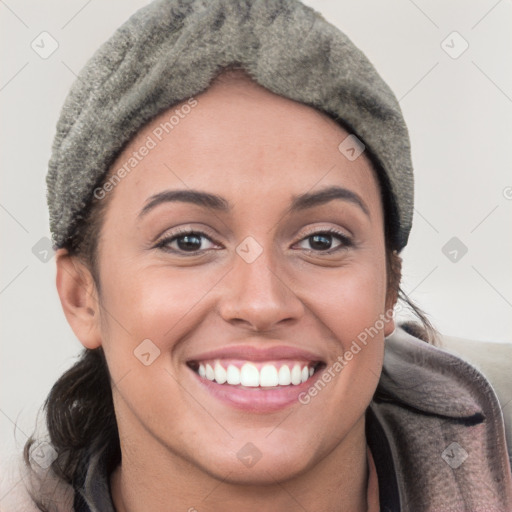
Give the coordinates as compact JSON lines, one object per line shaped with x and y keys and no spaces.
{"x":258,"y":457}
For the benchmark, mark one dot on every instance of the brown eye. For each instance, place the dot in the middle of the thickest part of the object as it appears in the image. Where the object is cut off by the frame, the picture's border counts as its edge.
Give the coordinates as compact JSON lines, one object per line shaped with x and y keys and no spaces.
{"x":324,"y":241}
{"x":185,"y":242}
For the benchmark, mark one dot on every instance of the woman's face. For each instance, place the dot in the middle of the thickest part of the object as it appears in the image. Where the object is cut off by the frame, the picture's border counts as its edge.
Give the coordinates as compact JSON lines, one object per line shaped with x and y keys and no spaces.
{"x":250,"y":294}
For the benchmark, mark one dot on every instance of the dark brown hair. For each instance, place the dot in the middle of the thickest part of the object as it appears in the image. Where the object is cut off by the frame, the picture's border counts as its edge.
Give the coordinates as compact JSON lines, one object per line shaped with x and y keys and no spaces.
{"x":79,"y":409}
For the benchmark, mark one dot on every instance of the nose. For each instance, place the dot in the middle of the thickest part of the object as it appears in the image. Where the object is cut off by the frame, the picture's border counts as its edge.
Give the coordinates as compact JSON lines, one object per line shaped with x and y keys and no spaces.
{"x":259,"y":296}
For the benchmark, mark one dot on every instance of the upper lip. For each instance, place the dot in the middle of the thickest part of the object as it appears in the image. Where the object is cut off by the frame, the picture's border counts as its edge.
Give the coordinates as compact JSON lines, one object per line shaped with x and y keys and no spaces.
{"x":253,"y":353}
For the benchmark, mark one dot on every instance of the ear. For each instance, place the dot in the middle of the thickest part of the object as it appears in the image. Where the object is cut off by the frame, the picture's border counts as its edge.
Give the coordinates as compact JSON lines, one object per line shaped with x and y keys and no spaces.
{"x":79,"y":298}
{"x":393,"y":284}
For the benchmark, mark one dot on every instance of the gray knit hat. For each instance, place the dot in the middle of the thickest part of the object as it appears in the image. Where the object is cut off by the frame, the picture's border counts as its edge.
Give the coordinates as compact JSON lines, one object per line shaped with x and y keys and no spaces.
{"x":170,"y":50}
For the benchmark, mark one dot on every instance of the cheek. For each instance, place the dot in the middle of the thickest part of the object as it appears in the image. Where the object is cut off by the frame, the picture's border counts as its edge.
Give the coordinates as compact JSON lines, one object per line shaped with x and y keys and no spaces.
{"x":147,"y":311}
{"x":152,"y":303}
{"x":349,"y":309}
{"x":347,"y":300}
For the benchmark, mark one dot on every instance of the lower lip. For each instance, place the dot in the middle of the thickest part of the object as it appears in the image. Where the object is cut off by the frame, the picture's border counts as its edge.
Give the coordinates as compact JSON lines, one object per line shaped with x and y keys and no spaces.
{"x":258,"y":400}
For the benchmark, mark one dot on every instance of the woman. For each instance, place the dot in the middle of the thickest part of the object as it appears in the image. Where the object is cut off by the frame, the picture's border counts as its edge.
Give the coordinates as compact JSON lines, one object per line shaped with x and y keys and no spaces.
{"x":229,"y":191}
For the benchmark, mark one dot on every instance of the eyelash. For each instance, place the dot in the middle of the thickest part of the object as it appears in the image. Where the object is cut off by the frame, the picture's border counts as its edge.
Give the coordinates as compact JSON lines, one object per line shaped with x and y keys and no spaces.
{"x":163,"y":243}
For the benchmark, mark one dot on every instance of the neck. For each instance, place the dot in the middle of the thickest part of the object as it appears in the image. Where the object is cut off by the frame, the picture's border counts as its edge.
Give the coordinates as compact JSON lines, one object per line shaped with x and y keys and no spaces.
{"x":151,"y":478}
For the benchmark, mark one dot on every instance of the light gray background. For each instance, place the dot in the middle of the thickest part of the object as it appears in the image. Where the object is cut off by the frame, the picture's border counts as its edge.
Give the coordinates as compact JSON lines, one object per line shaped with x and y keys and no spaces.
{"x":459,"y":113}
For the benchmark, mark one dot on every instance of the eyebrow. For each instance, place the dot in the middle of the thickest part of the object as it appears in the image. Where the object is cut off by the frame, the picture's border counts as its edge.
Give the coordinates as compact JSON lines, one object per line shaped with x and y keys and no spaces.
{"x":311,"y":199}
{"x":197,"y":197}
{"x":218,"y":203}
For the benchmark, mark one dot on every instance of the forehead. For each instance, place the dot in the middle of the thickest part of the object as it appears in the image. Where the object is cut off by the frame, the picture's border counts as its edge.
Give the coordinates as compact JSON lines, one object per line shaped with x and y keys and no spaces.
{"x":239,"y":139}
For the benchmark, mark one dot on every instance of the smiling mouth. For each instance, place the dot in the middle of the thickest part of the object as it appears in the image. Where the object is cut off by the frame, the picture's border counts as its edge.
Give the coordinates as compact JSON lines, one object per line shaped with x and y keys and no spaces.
{"x":261,"y":374}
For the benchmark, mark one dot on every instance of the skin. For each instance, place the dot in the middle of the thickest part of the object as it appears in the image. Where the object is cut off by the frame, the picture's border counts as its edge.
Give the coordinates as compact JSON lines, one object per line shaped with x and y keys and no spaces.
{"x":179,"y":445}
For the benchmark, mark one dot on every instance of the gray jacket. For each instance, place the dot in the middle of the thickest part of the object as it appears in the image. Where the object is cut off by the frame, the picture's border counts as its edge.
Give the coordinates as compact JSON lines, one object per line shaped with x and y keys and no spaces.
{"x":445,"y":426}
{"x":442,"y":420}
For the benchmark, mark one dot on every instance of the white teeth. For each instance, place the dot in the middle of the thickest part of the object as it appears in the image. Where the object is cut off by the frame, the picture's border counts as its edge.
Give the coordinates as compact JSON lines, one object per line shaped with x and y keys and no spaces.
{"x":233,"y":375}
{"x":285,"y":377}
{"x":220,"y":373}
{"x":268,"y":376}
{"x":296,"y":375}
{"x":210,"y":374}
{"x":249,"y":375}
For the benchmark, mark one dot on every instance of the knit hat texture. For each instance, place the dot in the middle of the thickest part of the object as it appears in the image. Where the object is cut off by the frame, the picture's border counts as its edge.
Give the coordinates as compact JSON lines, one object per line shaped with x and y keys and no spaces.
{"x":170,"y":50}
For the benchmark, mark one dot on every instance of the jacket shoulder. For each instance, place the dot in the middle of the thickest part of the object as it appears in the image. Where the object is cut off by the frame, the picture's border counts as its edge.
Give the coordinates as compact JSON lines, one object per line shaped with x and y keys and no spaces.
{"x":16,"y":478}
{"x":445,"y":427}
{"x":14,"y":494}
{"x":494,"y":361}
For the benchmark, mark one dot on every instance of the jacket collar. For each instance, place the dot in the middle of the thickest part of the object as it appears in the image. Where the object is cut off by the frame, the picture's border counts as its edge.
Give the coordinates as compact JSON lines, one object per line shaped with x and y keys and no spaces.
{"x":429,"y":379}
{"x":445,"y":428}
